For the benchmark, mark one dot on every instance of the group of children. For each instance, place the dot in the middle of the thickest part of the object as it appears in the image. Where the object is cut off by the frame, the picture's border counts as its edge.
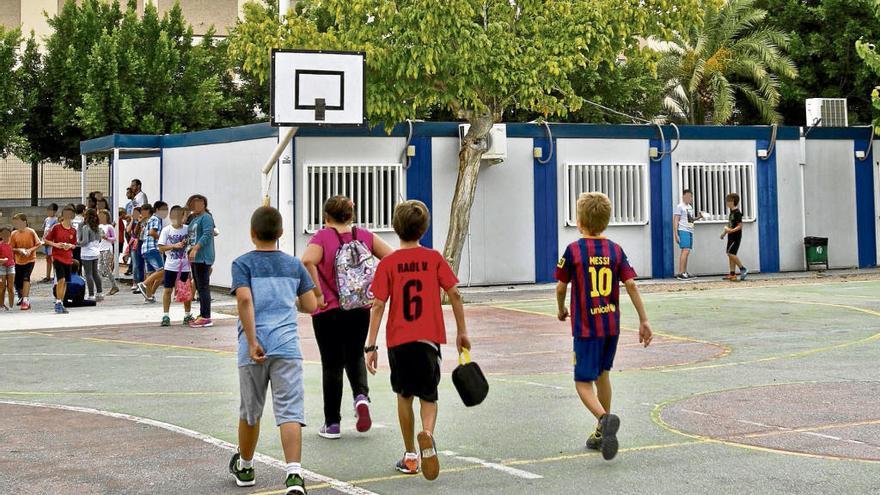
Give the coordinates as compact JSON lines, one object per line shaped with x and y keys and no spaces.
{"x":80,"y":243}
{"x":409,"y":283}
{"x":683,"y":218}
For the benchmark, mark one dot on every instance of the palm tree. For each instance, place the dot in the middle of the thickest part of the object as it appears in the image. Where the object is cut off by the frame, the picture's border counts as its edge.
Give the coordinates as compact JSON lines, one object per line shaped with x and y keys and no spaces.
{"x":732,"y":54}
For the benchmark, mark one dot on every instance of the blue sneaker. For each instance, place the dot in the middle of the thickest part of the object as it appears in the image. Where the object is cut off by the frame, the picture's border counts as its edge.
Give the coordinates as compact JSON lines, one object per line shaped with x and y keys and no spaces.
{"x":60,"y":309}
{"x":743,"y":273}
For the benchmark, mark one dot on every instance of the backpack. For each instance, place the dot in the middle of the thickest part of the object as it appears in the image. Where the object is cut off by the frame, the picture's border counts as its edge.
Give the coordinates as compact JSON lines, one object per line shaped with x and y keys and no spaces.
{"x":355,"y":269}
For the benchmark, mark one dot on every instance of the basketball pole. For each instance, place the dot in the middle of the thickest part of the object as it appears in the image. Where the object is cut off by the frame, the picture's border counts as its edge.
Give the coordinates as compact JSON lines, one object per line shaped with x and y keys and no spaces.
{"x":270,"y":164}
{"x":283,"y":8}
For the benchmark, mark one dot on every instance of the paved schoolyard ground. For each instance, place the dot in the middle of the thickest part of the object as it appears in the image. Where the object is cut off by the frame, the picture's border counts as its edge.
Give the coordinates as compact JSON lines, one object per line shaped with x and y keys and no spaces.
{"x":769,"y":386}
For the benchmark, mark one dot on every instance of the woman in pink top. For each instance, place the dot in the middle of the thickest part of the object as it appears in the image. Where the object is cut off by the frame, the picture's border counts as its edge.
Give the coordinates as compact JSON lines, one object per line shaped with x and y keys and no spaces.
{"x":341,"y":334}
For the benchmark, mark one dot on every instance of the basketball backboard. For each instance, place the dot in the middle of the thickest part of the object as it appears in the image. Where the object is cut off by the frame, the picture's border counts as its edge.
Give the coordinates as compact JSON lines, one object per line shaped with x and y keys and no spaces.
{"x":318,"y":88}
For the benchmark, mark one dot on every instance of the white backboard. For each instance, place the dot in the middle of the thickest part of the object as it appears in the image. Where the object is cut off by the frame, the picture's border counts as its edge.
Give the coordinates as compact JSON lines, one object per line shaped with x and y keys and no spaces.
{"x":301,"y":78}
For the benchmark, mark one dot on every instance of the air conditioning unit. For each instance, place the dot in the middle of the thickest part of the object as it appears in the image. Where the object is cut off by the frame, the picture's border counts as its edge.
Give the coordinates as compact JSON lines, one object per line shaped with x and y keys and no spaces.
{"x":827,"y":112}
{"x":496,"y":141}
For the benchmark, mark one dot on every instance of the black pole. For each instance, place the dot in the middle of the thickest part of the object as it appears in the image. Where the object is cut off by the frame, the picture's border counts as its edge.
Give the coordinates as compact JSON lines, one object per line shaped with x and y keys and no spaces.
{"x":35,"y":184}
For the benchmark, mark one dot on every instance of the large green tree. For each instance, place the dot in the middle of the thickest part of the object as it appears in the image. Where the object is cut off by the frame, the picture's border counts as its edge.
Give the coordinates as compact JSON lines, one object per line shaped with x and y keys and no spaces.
{"x":10,"y":92}
{"x":477,"y":59}
{"x":733,"y":55}
{"x":149,"y":76}
{"x":867,"y":52}
{"x":75,"y":30}
{"x":823,"y":34}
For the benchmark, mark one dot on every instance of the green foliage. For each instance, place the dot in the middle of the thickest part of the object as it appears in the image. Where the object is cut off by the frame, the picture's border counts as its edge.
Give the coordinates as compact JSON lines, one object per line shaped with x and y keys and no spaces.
{"x":823,"y":38}
{"x":10,"y":92}
{"x":867,"y":51}
{"x":149,"y":77}
{"x":733,"y":54}
{"x":36,"y":139}
{"x":468,"y":57}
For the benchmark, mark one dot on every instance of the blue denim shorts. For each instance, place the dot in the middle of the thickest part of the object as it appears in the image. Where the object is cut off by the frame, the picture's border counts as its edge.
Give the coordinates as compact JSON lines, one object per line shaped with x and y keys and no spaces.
{"x":153,"y":261}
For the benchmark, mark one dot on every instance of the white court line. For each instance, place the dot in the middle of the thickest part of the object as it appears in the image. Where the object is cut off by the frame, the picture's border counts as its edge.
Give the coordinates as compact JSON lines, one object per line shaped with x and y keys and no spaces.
{"x":519,"y":473}
{"x":525,"y":382}
{"x":338,"y":485}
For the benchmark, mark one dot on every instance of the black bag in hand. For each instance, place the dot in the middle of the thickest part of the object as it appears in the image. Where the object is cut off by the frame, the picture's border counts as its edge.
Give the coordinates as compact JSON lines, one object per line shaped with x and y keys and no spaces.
{"x":469,"y":380}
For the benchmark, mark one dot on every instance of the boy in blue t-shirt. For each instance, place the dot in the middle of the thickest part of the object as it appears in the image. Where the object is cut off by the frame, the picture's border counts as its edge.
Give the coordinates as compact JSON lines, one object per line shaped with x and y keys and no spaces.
{"x":270,"y":287}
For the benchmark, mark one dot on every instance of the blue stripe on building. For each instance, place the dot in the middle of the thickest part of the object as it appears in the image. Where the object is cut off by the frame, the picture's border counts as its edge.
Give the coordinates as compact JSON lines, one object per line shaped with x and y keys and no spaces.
{"x":546,"y":213}
{"x":768,"y":212}
{"x":419,"y":180}
{"x":662,"y":249}
{"x":865,"y":212}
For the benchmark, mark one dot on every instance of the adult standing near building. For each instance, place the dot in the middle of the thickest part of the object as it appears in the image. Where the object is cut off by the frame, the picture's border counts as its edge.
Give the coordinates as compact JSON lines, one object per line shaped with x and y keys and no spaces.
{"x":341,"y":333}
{"x":201,"y":255}
{"x":140,"y":197}
{"x":683,"y":229}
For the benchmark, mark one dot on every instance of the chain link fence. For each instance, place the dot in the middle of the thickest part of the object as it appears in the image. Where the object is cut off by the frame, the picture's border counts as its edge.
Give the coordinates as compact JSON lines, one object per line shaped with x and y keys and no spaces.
{"x":55,"y":183}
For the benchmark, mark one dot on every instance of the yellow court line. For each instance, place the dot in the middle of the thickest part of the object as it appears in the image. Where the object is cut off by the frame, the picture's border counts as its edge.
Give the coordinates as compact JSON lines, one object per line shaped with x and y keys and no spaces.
{"x":726,"y":348}
{"x":120,"y":394}
{"x":169,"y":346}
{"x":642,"y":448}
{"x":151,"y":344}
{"x":658,"y":420}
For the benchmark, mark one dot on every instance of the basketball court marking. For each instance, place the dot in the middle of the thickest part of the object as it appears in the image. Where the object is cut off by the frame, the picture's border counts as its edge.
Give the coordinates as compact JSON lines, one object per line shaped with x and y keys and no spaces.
{"x":658,"y":420}
{"x":337,"y":485}
{"x":799,"y":354}
{"x":493,"y":465}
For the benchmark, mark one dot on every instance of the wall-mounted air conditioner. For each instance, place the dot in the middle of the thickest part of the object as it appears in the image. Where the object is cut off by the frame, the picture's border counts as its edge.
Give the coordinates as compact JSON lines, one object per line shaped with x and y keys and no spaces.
{"x":827,"y":112}
{"x":496,"y":141}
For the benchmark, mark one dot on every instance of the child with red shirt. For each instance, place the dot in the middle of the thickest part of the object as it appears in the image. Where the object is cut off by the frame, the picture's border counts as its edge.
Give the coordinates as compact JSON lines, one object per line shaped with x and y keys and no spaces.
{"x":62,"y":239}
{"x":7,"y":269}
{"x":412,"y":278}
{"x":595,"y":266}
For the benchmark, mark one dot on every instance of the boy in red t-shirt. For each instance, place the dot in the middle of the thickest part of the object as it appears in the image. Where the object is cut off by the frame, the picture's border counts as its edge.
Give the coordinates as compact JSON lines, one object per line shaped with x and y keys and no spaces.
{"x":412,"y":278}
{"x":62,"y":239}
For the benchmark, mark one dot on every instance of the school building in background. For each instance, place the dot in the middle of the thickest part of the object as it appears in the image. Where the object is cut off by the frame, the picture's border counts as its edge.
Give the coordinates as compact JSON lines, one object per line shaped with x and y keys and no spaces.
{"x":823,"y":184}
{"x":202,"y":14}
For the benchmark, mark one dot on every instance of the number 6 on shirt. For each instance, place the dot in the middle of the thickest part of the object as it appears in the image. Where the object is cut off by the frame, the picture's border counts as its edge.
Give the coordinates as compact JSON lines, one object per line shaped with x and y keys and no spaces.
{"x":412,"y":304}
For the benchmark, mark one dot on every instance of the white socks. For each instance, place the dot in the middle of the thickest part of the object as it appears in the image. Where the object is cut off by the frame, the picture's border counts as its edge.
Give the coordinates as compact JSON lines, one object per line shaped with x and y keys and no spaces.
{"x":294,"y":468}
{"x":243,"y":464}
{"x":411,"y":455}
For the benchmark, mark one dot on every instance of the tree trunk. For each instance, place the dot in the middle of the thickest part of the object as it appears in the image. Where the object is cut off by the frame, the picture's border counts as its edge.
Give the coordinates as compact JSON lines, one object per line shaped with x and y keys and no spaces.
{"x":469,"y":157}
{"x":35,"y":184}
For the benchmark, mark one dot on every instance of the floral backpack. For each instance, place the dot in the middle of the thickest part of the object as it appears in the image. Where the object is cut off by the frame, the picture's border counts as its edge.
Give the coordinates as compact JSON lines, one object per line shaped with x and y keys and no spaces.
{"x":355,"y":269}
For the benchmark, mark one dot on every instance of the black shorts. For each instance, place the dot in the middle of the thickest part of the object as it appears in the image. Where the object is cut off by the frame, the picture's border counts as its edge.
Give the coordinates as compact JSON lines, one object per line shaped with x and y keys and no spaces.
{"x":23,"y":273}
{"x":170,"y":278}
{"x":415,"y":370}
{"x":62,"y":270}
{"x":733,"y":242}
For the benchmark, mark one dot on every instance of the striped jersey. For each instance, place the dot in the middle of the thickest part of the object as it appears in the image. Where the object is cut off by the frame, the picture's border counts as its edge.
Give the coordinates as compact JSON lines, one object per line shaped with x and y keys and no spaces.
{"x":595,"y":267}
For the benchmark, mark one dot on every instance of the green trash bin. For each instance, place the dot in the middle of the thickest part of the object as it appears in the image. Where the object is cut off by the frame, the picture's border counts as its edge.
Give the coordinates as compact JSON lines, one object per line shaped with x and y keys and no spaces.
{"x":816,"y":251}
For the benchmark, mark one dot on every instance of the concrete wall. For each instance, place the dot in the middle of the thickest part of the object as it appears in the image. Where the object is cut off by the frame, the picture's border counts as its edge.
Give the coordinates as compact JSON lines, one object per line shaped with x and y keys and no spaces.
{"x":35,"y":215}
{"x":635,"y":240}
{"x":790,"y":205}
{"x":349,"y":150}
{"x":502,"y":232}
{"x":228,"y":174}
{"x":831,"y":204}
{"x":145,"y":169}
{"x":10,"y":13}
{"x":708,"y":255}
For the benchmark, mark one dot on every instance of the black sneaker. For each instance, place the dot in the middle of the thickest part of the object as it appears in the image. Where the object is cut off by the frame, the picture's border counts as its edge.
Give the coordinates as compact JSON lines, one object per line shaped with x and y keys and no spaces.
{"x":243,"y":477}
{"x":295,"y":484}
{"x":681,"y":276}
{"x":609,"y":424}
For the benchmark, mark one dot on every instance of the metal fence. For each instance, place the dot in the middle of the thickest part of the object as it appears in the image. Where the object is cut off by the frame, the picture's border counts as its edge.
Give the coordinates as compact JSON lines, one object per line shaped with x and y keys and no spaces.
{"x":55,"y":183}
